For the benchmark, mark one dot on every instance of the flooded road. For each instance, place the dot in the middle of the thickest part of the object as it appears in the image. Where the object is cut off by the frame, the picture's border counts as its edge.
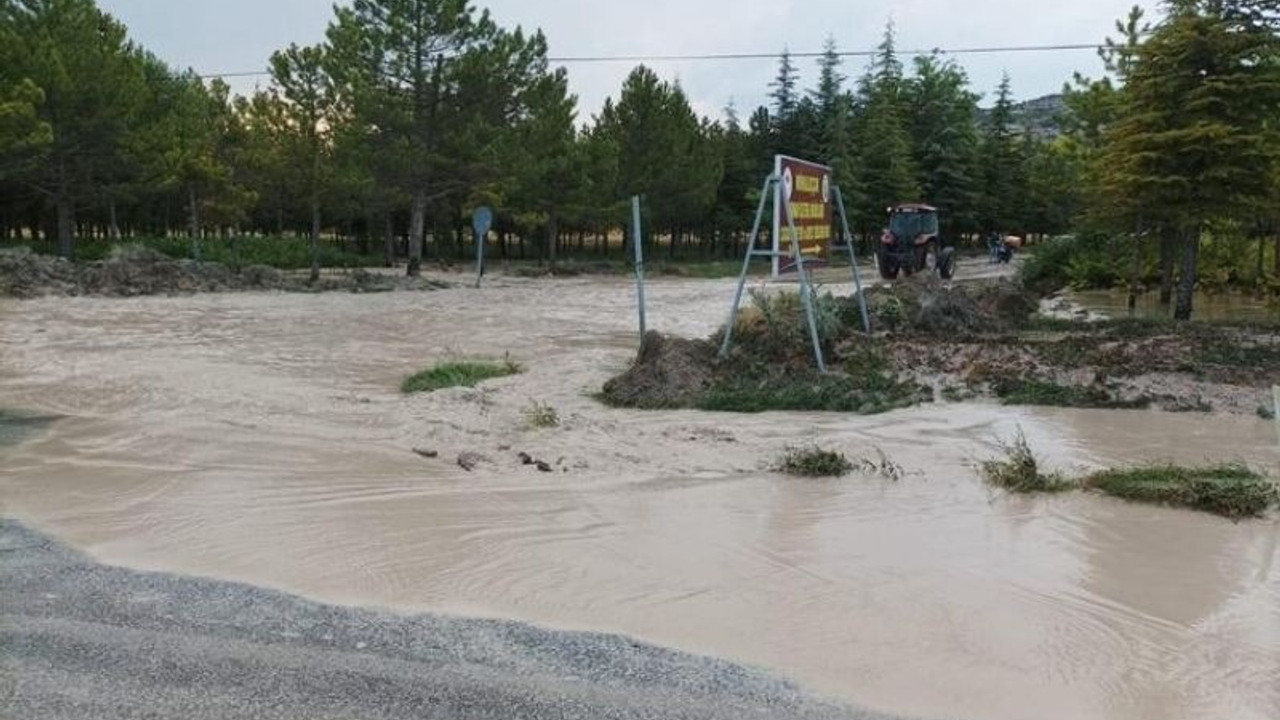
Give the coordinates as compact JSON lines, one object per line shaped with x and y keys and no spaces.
{"x":1219,"y":307}
{"x":262,"y":438}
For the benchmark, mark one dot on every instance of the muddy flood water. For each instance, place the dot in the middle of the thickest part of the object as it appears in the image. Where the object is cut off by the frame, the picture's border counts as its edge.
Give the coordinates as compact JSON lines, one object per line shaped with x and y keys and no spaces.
{"x":262,"y":438}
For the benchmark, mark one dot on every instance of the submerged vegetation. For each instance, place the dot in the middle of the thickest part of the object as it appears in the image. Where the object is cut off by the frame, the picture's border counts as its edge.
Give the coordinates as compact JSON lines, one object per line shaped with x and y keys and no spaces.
{"x":814,"y":461}
{"x":458,"y":374}
{"x":1019,"y":470}
{"x":1232,"y":491}
{"x":541,"y":416}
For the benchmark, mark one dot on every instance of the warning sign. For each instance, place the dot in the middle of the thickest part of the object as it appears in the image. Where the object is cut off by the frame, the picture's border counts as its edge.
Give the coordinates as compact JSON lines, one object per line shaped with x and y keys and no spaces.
{"x":804,"y":195}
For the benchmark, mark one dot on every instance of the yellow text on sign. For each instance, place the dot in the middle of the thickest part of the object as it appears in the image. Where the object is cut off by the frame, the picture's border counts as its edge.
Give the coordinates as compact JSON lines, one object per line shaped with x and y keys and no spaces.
{"x":809,"y":184}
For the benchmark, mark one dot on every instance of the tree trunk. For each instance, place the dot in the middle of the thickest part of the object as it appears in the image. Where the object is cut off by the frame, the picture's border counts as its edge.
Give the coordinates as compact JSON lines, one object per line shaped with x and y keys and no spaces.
{"x":1190,"y":274}
{"x":195,"y":223}
{"x":417,"y":222}
{"x":315,"y":241}
{"x":1134,"y":272}
{"x":1168,"y":257}
{"x":1262,"y":260}
{"x":114,"y":227}
{"x":389,"y":240}
{"x":553,"y":239}
{"x":66,"y":226}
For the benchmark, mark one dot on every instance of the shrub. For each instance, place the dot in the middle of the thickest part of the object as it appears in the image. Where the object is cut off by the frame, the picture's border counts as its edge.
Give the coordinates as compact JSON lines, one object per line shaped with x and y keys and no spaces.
{"x":1019,"y":470}
{"x":814,"y":462}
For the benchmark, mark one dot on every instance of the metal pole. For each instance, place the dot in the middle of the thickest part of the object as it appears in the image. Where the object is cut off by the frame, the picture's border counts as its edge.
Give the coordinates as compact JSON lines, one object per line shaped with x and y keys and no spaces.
{"x":853,"y":260}
{"x":806,"y":290}
{"x":746,"y":267}
{"x":480,"y":243}
{"x":639,"y":247}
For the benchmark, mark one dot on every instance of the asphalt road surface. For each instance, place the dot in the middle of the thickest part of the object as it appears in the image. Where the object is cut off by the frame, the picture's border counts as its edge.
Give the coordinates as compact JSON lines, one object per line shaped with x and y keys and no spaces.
{"x":82,"y":641}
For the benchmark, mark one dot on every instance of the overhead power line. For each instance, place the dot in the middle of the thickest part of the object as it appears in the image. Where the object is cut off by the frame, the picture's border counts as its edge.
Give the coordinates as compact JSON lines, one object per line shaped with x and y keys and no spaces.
{"x":845,"y":53}
{"x":719,"y":57}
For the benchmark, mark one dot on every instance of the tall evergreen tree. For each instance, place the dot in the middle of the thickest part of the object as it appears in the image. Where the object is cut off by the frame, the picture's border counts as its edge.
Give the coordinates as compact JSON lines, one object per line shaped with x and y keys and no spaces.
{"x":309,"y":110}
{"x":944,"y":133}
{"x":90,"y":83}
{"x":1002,"y":166}
{"x":887,"y":168}
{"x":1197,"y":139}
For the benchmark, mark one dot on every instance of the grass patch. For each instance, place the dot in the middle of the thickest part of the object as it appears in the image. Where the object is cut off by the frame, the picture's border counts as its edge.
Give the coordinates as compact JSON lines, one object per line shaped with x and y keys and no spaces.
{"x":1019,"y":470}
{"x":458,"y":374}
{"x":541,"y":416}
{"x":1017,"y":391}
{"x":814,"y":462}
{"x":1232,"y":491}
{"x":865,"y":393}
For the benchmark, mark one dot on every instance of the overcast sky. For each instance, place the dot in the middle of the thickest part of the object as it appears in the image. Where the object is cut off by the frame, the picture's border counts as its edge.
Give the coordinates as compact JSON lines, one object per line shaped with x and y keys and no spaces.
{"x":239,"y":35}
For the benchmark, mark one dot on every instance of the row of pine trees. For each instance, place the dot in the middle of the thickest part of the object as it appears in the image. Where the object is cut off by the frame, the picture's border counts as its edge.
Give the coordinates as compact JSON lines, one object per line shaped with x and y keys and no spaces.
{"x":412,"y":113}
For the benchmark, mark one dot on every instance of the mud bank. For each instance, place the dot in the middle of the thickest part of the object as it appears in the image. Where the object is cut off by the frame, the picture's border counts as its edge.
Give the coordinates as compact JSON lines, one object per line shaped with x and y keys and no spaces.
{"x":955,"y":343}
{"x":135,"y":271}
{"x":263,"y":439}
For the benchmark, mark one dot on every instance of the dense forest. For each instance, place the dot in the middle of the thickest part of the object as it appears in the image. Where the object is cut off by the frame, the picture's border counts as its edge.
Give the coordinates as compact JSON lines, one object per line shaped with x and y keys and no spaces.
{"x":413,"y":112}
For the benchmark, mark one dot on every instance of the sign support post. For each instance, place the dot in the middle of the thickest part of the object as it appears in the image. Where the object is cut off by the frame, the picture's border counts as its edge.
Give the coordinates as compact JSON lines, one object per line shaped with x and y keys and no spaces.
{"x":853,"y":260}
{"x":750,"y":253}
{"x":638,"y":242}
{"x":481,"y":222}
{"x":806,"y":288}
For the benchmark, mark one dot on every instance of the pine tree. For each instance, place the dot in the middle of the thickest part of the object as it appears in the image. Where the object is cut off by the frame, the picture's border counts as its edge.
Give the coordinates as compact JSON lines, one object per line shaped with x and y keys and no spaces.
{"x":784,"y":89}
{"x":944,"y":135}
{"x":1002,"y":162}
{"x":310,"y":120}
{"x":887,"y":170}
{"x":1196,"y":141}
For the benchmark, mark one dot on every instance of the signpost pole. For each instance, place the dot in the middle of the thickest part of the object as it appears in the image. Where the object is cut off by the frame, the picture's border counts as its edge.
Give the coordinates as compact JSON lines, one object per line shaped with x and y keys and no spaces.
{"x":637,"y":241}
{"x":481,"y":222}
{"x":746,"y":266}
{"x":806,"y":290}
{"x":853,"y":261}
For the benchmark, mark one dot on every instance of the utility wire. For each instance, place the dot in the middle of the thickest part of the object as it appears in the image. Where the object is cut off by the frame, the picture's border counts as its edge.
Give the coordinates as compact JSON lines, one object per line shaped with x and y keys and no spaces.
{"x":712,"y":57}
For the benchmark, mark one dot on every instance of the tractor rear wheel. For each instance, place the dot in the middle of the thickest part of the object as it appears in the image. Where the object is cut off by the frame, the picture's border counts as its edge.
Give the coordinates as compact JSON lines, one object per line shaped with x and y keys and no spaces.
{"x":888,"y":266}
{"x":946,"y":263}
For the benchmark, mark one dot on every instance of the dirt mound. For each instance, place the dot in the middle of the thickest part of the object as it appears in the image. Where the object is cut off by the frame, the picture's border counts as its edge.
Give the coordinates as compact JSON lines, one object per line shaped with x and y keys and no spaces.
{"x":135,"y":270}
{"x":925,"y":304}
{"x":24,"y":274}
{"x":669,"y":373}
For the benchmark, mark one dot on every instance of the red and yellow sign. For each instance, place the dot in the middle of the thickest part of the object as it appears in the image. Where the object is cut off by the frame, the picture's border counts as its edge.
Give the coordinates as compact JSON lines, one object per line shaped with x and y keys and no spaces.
{"x":804,"y":191}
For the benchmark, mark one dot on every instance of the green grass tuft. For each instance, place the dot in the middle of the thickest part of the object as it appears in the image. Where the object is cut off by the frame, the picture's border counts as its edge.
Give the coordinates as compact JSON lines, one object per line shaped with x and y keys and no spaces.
{"x":814,"y":462}
{"x":1019,"y":470}
{"x":458,"y":374}
{"x":1233,"y":491}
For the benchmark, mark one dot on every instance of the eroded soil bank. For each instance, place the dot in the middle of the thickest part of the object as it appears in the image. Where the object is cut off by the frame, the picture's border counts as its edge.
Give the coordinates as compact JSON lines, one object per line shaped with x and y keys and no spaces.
{"x":262,"y":438}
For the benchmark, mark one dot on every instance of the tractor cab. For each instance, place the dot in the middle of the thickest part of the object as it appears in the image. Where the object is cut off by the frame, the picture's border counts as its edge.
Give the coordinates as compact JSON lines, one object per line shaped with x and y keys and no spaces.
{"x":912,"y":236}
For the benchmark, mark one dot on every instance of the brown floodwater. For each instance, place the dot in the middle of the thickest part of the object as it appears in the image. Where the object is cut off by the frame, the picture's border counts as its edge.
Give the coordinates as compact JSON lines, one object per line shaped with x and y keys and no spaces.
{"x":1217,"y":307}
{"x":262,"y":438}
